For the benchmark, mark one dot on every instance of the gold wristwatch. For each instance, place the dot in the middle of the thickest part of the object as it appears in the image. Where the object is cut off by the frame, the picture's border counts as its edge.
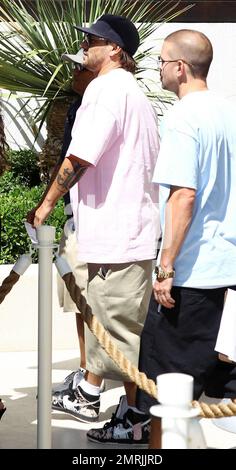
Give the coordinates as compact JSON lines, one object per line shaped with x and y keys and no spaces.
{"x":162,"y":274}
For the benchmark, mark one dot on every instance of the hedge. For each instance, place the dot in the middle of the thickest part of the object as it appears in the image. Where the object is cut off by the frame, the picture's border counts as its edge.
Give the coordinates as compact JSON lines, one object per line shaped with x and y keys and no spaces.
{"x":24,"y":167}
{"x":15,"y":202}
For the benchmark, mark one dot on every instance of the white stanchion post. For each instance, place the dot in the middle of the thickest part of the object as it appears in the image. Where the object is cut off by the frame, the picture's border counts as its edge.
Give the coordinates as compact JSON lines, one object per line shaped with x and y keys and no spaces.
{"x":227,"y":423}
{"x":175,"y":393}
{"x":45,"y":235}
{"x":175,"y":390}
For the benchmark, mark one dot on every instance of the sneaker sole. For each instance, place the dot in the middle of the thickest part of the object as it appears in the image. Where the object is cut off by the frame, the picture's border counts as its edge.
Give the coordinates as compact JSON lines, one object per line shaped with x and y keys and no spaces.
{"x":133,"y":445}
{"x":84,"y":419}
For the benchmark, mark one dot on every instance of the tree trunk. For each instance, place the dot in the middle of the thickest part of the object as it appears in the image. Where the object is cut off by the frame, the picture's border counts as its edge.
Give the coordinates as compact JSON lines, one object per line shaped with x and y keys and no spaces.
{"x":3,"y":145}
{"x":53,"y":143}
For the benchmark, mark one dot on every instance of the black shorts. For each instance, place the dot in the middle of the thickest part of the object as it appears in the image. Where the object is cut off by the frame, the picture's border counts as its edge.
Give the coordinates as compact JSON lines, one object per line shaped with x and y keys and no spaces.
{"x":183,"y":339}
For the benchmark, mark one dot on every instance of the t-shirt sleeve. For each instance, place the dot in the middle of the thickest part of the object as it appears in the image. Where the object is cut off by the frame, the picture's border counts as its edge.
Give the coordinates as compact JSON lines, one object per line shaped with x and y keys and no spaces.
{"x":95,"y":131}
{"x":177,"y":163}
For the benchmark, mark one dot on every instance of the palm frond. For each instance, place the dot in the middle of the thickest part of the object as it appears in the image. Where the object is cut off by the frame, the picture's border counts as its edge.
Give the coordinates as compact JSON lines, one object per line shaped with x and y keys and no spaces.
{"x":32,"y":39}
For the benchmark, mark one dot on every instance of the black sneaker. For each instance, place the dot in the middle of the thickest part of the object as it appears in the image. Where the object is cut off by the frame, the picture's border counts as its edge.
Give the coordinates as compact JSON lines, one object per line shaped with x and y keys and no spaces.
{"x":77,"y":403}
{"x":133,"y":429}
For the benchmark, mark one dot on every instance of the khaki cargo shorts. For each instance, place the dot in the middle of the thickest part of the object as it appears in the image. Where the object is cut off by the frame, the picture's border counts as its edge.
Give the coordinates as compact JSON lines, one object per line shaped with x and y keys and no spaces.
{"x":119,"y":296}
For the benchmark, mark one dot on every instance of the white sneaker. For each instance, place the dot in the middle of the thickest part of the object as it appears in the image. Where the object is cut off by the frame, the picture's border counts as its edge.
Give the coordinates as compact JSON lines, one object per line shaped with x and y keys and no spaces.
{"x":78,"y":403}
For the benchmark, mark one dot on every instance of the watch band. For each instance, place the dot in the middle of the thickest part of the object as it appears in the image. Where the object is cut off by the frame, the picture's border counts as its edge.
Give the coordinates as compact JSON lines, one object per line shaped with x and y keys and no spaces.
{"x":162,"y":274}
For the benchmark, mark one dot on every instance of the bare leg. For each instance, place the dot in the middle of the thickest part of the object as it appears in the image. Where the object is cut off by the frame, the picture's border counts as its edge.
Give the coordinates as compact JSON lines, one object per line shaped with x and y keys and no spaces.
{"x":130,"y":389}
{"x":80,"y":331}
{"x":93,"y":379}
{"x":155,"y":434}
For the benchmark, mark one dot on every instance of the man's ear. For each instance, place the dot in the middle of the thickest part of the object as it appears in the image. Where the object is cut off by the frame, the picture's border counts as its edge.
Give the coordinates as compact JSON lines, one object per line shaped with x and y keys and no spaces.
{"x":181,"y":69}
{"x":115,"y":50}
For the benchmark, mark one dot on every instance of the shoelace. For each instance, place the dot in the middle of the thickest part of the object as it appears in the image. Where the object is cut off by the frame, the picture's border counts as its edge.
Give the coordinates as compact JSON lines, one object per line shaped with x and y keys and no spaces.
{"x":84,"y":401}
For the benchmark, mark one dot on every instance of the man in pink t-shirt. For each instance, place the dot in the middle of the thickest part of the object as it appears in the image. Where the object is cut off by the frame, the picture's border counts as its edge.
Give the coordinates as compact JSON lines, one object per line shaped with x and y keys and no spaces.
{"x":112,"y":155}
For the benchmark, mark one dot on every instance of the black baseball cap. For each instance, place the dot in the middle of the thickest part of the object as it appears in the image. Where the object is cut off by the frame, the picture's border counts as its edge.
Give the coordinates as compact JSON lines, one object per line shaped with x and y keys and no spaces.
{"x":115,"y":28}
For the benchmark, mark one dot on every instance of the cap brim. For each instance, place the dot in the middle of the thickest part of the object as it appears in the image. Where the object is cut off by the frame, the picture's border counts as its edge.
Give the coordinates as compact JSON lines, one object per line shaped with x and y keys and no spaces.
{"x":102,"y":30}
{"x":90,"y":30}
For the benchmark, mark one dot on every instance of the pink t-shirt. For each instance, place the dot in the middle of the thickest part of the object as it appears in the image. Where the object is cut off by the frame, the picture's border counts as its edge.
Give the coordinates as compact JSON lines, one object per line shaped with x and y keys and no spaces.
{"x":115,"y":203}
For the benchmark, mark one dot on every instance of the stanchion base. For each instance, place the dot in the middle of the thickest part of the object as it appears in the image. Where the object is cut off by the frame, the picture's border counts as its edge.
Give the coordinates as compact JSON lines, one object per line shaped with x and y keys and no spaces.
{"x":228,"y":423}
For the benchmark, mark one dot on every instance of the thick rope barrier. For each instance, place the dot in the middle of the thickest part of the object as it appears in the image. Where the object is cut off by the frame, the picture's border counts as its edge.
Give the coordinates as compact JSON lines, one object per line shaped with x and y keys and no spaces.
{"x":205,"y":410}
{"x":7,"y":284}
{"x":148,"y":385}
{"x":18,"y":269}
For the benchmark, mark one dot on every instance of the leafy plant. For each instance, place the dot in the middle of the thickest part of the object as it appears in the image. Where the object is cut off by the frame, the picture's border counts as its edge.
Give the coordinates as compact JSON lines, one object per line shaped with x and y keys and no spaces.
{"x":8,"y":183}
{"x":24,"y":167}
{"x":35,"y":34}
{"x":14,"y":206}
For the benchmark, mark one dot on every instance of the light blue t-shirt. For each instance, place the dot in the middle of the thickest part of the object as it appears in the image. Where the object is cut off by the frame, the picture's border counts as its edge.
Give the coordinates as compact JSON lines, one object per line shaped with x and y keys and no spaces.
{"x":198,"y":150}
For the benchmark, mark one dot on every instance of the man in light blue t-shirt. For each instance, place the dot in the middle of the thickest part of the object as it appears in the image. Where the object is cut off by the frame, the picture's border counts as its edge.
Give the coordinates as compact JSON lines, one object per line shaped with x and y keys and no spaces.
{"x":196,"y":171}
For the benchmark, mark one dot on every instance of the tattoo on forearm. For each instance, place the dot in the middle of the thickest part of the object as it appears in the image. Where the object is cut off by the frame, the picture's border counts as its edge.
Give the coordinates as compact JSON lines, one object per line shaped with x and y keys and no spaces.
{"x":69,"y":177}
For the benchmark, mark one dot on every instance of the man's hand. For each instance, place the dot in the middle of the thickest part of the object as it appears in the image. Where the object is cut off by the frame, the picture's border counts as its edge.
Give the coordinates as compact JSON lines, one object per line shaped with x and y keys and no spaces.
{"x":38,"y":215}
{"x":162,"y":290}
{"x":42,"y":213}
{"x":31,"y":215}
{"x":178,"y":216}
{"x":69,"y":173}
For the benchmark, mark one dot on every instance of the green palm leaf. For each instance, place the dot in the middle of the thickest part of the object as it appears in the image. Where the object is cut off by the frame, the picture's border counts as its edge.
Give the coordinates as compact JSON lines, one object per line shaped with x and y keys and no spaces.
{"x":33,"y":35}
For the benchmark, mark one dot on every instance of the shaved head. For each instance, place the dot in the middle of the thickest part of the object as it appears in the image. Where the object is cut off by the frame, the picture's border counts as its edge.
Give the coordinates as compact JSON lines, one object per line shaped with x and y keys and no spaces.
{"x":193,"y":47}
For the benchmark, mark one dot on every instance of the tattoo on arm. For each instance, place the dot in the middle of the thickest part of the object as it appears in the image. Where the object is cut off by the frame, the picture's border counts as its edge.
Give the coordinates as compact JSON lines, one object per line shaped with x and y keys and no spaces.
{"x":69,"y":177}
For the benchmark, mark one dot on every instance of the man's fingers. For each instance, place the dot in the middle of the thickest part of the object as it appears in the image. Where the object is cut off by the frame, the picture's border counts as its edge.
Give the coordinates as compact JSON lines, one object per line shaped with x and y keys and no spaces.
{"x":36,"y":222}
{"x":167,"y":304}
{"x":162,"y":293}
{"x":155,"y":295}
{"x":164,"y":299}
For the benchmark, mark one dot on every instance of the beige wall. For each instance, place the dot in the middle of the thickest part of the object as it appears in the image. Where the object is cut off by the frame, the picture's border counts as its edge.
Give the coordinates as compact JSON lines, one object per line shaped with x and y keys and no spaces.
{"x":19,"y":315}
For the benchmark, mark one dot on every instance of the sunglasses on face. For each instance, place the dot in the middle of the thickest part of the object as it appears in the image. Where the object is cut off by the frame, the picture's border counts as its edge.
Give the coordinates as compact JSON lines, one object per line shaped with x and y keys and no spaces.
{"x":93,"y":40}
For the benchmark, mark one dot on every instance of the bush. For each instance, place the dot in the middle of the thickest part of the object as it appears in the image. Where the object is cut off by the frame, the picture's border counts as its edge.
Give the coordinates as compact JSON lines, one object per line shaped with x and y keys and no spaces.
{"x":8,"y":183}
{"x":24,"y":167}
{"x":14,"y":205}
